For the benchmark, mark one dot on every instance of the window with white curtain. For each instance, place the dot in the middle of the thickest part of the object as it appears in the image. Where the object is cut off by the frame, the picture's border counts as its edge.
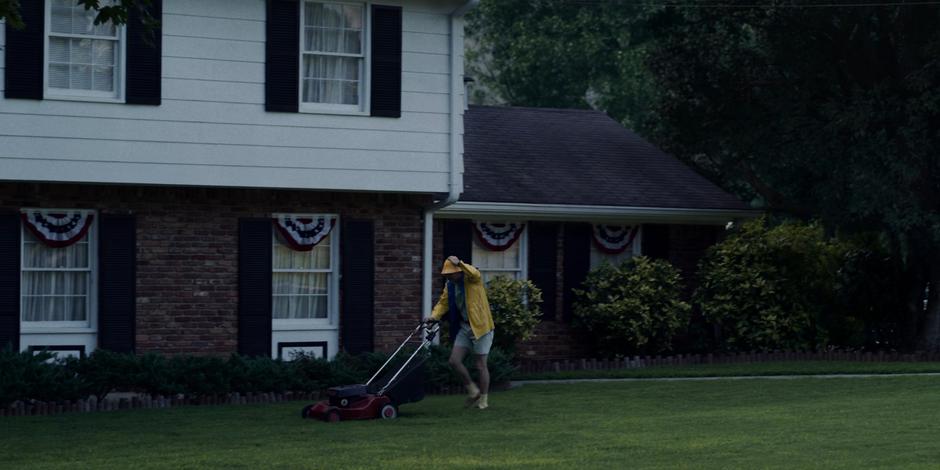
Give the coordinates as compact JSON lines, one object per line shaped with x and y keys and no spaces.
{"x":57,"y":283}
{"x":83,"y":59}
{"x":598,"y":256}
{"x":510,"y":262}
{"x":333,"y":58}
{"x":302,"y":281}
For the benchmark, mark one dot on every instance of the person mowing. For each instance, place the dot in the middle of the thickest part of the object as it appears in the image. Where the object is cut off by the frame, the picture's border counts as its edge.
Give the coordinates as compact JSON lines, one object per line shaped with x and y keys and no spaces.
{"x":471,"y":324}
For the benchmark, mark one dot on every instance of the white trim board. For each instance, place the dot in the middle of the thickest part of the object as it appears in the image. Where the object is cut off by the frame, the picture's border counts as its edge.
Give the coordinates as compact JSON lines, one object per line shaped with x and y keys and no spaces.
{"x":622,"y":214}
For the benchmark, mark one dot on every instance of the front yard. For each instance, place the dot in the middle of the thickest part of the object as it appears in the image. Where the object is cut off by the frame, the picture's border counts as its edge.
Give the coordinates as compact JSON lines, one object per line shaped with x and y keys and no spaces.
{"x":801,"y":423}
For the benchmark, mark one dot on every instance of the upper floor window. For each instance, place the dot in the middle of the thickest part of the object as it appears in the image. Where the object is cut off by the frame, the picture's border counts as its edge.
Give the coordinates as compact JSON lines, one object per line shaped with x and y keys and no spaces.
{"x":333,"y":56}
{"x":83,"y":59}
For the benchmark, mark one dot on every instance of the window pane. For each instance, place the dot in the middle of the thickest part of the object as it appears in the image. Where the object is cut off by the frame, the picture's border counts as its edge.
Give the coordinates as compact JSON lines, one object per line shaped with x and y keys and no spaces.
{"x":331,"y":79}
{"x":80,"y":77}
{"x":59,"y":50}
{"x":59,"y":76}
{"x":81,"y":51}
{"x":38,"y":255}
{"x":55,"y":296}
{"x":61,"y":20}
{"x":55,"y":308}
{"x":103,"y":52}
{"x":103,"y":78}
{"x":300,"y":283}
{"x":317,"y":258}
{"x":487,"y":259}
{"x":333,"y":28}
{"x":45,"y":283}
{"x":300,"y":307}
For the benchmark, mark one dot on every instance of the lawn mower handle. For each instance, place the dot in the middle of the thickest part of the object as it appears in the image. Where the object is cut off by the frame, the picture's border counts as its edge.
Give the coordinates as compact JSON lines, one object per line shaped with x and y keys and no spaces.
{"x":432,"y":328}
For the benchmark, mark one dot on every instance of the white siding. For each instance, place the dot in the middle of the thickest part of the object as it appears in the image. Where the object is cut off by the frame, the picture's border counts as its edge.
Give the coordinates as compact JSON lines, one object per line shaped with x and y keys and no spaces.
{"x":212,"y":128}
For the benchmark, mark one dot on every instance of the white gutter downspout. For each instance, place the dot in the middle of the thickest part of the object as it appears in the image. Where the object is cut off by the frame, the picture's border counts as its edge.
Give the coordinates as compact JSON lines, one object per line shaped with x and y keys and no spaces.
{"x":456,"y":108}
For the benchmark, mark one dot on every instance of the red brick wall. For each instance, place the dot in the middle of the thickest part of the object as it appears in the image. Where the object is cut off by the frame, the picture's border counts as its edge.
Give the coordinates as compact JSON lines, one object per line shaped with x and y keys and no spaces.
{"x":187,"y":285}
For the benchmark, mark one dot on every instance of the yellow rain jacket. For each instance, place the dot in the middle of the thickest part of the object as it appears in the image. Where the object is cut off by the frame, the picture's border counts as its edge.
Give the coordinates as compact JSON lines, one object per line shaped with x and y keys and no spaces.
{"x":478,"y":307}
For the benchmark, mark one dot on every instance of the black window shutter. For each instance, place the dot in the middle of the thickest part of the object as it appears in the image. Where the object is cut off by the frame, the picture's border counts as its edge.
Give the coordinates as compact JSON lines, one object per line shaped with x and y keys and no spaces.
{"x":254,"y":287}
{"x":386,"y":61}
{"x":458,"y":240}
{"x":656,"y":241}
{"x":10,"y":280}
{"x":577,"y":262}
{"x":24,"y":53}
{"x":117,"y":268}
{"x":358,"y":285}
{"x":543,"y":256}
{"x":282,"y":56}
{"x":144,"y":57}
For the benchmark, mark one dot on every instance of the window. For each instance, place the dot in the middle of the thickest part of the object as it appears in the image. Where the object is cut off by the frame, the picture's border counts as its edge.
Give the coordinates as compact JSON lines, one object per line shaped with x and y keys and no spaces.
{"x":83,"y":59}
{"x":598,"y":256}
{"x":509,"y":262}
{"x":57,"y":288}
{"x":333,"y":59}
{"x":303,"y":282}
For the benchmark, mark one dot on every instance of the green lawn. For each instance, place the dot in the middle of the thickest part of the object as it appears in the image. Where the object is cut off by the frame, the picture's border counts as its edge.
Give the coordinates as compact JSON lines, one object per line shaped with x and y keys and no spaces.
{"x":805,"y":423}
{"x":762,"y":368}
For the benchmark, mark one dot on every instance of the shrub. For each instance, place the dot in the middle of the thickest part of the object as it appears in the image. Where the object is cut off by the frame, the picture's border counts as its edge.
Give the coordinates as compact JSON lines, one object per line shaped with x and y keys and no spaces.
{"x":198,"y":375}
{"x":633,"y":307}
{"x":104,"y":371}
{"x":766,"y":287}
{"x":516,"y":310}
{"x":37,"y":376}
{"x":262,"y":374}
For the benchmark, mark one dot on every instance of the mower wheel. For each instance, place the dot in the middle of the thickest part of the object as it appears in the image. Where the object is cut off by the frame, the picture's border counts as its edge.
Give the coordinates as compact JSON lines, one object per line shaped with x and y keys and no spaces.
{"x":389,"y":412}
{"x":305,"y":413}
{"x":333,"y":416}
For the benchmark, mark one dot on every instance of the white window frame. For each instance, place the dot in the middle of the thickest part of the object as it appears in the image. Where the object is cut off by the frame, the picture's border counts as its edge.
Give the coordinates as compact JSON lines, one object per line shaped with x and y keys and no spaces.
{"x":522,"y":270}
{"x":120,"y":74}
{"x":365,"y":79}
{"x":332,"y":318}
{"x":636,"y":248}
{"x":91,"y":324}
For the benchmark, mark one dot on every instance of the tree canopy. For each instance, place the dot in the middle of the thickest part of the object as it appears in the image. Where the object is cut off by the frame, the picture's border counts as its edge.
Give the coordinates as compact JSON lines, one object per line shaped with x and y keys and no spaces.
{"x":809,"y":110}
{"x":113,"y":11}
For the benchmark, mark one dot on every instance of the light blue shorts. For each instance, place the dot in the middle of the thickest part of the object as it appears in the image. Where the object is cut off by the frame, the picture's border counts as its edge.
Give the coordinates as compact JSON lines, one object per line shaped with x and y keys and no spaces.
{"x":466,"y":340}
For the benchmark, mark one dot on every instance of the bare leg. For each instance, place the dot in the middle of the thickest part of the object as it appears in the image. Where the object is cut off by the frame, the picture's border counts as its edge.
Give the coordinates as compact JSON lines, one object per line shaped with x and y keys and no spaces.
{"x":456,"y":361}
{"x":484,"y":373}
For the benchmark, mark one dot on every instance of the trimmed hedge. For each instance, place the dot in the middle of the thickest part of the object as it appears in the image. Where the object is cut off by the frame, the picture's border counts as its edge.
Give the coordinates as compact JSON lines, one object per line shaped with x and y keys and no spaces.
{"x":28,"y":376}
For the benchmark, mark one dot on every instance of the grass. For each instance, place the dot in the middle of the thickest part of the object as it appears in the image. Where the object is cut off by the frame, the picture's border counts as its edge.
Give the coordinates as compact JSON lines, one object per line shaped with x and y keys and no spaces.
{"x":808,"y":423}
{"x":729,"y":370}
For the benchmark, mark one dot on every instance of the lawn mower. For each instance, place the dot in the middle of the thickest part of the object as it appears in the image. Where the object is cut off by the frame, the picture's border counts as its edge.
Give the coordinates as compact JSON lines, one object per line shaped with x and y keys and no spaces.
{"x":404,"y":384}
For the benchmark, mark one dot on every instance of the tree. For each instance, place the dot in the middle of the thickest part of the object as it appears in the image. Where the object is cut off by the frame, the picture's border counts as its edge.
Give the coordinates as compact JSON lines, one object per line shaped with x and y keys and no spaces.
{"x":810,"y":111}
{"x":115,"y":12}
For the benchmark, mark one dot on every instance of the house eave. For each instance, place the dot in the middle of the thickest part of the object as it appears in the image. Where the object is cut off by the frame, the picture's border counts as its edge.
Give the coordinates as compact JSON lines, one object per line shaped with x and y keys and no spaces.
{"x":588,"y":213}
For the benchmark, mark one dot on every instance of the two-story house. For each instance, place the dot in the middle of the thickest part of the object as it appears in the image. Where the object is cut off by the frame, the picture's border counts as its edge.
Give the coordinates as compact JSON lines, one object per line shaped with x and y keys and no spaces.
{"x":251,"y":176}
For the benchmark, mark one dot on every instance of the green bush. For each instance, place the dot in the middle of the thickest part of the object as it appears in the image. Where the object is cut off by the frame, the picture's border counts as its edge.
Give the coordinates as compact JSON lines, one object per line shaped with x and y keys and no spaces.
{"x":38,"y":376}
{"x":633,"y":307}
{"x":104,"y":371}
{"x":767,"y":287}
{"x":516,"y":310}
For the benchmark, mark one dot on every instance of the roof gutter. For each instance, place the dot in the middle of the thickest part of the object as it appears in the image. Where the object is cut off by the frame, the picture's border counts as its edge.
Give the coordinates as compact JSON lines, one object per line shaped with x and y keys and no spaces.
{"x":589,"y":213}
{"x":456,"y":167}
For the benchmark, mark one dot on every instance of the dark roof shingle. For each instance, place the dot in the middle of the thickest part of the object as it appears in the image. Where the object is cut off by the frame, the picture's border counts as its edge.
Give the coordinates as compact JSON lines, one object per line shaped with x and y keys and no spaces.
{"x":577,"y":157}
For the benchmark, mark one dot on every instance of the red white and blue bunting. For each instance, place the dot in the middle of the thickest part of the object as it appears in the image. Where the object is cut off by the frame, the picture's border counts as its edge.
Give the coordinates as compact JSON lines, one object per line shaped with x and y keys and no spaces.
{"x":302,"y":233}
{"x":497,"y":237}
{"x":613,"y":239}
{"x":57,"y":228}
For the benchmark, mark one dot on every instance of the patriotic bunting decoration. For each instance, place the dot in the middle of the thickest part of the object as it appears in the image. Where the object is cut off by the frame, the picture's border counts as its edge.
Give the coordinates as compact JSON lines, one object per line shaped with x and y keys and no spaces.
{"x":497,"y":237}
{"x":57,"y":228}
{"x":303,"y":233}
{"x":613,"y":239}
